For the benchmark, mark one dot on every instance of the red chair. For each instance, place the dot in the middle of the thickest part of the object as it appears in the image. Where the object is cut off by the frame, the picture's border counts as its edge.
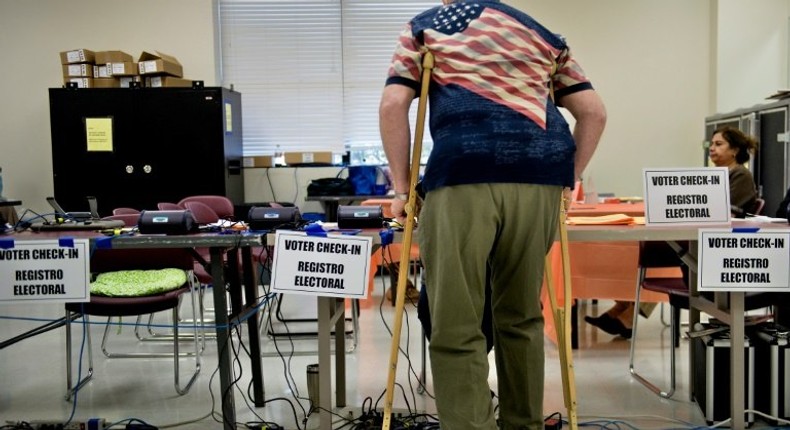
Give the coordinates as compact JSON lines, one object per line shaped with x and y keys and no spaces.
{"x":167,"y":206}
{"x":221,"y":205}
{"x":202,"y":212}
{"x":129,"y":220}
{"x":125,"y":211}
{"x":759,"y":205}
{"x":111,"y":260}
{"x":657,"y":254}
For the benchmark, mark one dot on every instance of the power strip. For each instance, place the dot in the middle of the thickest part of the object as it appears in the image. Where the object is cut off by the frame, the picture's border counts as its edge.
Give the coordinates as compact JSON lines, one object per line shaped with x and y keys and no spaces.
{"x":91,"y":424}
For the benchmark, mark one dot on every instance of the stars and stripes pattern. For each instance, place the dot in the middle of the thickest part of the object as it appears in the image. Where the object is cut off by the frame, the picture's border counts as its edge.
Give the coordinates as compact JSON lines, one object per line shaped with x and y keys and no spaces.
{"x":490,"y":53}
{"x":497,"y":58}
{"x":455,"y":17}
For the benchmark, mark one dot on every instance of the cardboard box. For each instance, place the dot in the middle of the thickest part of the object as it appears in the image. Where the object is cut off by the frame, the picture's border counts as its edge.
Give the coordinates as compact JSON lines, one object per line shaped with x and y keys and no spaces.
{"x":159,"y":64}
{"x":127,"y":68}
{"x":296,"y":158}
{"x":106,"y":83}
{"x":101,"y":71}
{"x":77,"y":56}
{"x":126,"y":81}
{"x":81,"y":70}
{"x":260,"y":161}
{"x":167,"y":82}
{"x":104,"y":57}
{"x":81,"y":82}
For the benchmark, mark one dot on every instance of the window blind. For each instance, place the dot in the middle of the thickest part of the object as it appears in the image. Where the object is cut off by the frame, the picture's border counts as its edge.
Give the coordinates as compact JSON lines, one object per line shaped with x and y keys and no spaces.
{"x":310,"y":72}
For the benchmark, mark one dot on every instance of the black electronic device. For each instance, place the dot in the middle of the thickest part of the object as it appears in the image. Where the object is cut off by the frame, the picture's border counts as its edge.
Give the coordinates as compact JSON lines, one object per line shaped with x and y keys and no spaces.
{"x":269,"y":218}
{"x":94,"y":207}
{"x":712,"y":378}
{"x":62,"y":215}
{"x":74,"y":220}
{"x":360,"y":217}
{"x":166,"y":222}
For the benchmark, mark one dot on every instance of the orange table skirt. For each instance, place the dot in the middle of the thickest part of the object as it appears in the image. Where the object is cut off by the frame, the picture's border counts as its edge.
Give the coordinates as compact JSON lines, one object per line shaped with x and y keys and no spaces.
{"x":599,"y":270}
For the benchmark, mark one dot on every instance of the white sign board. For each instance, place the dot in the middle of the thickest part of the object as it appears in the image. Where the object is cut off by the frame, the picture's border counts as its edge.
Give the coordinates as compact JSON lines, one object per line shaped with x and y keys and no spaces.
{"x":744,"y":260}
{"x":45,"y":271}
{"x":687,"y":196}
{"x":334,"y":265}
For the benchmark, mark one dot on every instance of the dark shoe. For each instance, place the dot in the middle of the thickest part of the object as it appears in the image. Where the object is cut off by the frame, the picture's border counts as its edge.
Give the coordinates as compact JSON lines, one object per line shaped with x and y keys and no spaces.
{"x":412,"y":294}
{"x":610,"y":325}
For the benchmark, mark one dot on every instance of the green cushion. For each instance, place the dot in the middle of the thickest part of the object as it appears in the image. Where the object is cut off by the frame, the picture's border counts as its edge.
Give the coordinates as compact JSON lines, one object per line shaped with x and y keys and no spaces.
{"x":135,"y":283}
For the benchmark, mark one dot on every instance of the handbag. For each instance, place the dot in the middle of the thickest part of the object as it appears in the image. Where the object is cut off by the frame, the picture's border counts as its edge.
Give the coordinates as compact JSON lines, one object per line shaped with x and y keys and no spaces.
{"x":330,"y":187}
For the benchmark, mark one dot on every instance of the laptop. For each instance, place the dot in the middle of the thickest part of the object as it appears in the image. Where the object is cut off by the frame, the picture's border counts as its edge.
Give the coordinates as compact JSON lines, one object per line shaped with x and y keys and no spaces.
{"x":65,"y":221}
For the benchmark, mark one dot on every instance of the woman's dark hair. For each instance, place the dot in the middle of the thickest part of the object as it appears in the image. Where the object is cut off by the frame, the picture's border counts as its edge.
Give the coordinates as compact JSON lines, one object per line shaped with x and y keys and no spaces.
{"x":737,"y":139}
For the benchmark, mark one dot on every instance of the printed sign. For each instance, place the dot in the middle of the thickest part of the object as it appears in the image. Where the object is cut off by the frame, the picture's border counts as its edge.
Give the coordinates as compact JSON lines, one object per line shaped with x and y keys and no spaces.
{"x":98,"y":134}
{"x":733,"y":260}
{"x":335,"y":265}
{"x":687,"y":196}
{"x":45,"y":271}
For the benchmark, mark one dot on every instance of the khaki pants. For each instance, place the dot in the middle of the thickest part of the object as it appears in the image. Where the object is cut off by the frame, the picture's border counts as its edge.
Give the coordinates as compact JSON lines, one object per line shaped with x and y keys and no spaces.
{"x":462,"y":228}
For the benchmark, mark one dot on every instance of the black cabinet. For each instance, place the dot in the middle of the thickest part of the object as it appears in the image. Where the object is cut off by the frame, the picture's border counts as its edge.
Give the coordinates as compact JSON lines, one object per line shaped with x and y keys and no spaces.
{"x":135,"y":147}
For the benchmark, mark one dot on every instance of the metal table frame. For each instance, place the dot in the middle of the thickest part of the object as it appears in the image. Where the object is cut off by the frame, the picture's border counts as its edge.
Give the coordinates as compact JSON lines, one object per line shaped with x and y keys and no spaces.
{"x":220,"y":247}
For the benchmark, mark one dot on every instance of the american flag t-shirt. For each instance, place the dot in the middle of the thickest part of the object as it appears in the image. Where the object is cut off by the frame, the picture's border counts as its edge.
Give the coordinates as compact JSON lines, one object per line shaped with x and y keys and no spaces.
{"x":491,"y":117}
{"x":491,"y":53}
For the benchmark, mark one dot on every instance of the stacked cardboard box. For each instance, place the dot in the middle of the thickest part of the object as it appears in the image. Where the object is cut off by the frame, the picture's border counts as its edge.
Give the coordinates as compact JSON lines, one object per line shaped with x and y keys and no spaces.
{"x":161,"y":70}
{"x":113,"y":69}
{"x":78,"y":67}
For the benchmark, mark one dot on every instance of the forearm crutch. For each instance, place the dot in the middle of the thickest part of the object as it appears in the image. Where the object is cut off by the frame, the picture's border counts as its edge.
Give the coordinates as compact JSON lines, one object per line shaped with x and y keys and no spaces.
{"x":562,"y":319}
{"x":403,"y":273}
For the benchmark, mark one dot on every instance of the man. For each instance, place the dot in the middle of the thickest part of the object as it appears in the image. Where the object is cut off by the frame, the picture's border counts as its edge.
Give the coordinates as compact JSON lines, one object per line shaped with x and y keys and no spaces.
{"x":502,"y":155}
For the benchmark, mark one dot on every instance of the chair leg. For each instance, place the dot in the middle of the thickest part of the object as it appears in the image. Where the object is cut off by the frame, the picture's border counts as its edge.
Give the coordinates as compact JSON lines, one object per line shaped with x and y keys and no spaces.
{"x":675,"y":323}
{"x":637,"y":376}
{"x":72,"y":389}
{"x":663,"y":319}
{"x":107,"y":353}
{"x":176,"y":355}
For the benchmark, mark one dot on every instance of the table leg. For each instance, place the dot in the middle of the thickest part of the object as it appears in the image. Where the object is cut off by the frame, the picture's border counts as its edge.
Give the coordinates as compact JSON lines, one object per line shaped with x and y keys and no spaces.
{"x":324,"y":362}
{"x":251,"y":299}
{"x":223,"y":340}
{"x":737,"y":374}
{"x":338,"y":312}
{"x":330,"y":210}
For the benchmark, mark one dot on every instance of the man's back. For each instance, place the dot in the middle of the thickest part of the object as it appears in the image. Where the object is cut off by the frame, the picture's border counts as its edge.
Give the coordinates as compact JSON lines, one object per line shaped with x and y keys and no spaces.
{"x":491,"y":117}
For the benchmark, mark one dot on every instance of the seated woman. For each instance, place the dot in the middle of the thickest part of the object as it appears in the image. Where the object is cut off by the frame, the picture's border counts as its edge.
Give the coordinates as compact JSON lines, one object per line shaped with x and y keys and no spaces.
{"x":730,"y":148}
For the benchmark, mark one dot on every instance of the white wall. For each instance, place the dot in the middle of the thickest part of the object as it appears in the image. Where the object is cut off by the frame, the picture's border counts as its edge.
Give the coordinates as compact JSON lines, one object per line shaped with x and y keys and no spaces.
{"x":655,"y":64}
{"x":33,"y":33}
{"x":752,"y":52}
{"x":650,"y":63}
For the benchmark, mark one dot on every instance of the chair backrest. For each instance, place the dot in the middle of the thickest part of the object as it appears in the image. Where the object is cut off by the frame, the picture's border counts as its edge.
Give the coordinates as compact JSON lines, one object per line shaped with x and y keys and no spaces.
{"x":168,"y":206}
{"x":759,"y":205}
{"x":125,"y":211}
{"x":221,"y":205}
{"x":657,"y":254}
{"x":129,"y":220}
{"x":202,"y":212}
